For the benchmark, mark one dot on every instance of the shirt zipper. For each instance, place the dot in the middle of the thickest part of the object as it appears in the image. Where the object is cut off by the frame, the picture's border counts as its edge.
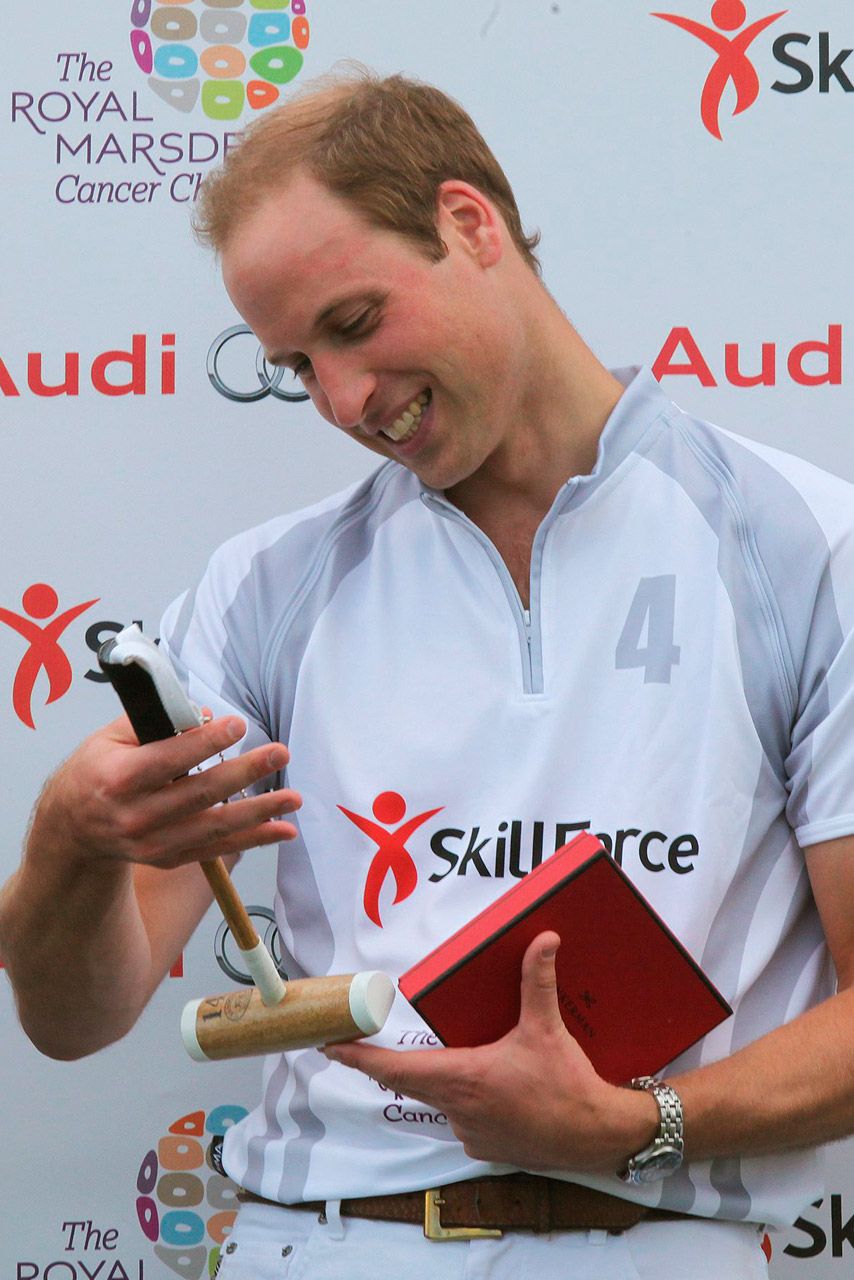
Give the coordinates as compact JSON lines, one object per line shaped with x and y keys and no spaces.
{"x":527,"y":620}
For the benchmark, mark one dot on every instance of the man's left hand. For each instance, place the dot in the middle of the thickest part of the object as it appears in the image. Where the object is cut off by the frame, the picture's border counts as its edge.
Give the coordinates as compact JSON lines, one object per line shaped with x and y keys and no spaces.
{"x":531,"y":1099}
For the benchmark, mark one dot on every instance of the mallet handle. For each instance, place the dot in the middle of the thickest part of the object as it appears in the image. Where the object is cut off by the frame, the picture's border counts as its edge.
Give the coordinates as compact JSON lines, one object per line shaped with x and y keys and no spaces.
{"x":230,"y":904}
{"x":256,"y":957}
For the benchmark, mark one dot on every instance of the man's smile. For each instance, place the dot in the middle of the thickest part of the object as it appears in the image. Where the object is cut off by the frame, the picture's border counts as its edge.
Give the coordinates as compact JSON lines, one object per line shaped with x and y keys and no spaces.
{"x":405,"y":425}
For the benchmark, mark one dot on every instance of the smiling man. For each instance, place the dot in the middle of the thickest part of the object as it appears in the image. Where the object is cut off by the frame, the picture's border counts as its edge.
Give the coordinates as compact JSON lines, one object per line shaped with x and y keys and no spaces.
{"x":559,"y":603}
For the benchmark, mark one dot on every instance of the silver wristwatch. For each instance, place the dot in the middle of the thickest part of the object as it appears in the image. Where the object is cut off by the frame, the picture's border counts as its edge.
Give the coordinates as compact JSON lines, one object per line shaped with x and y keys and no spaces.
{"x":663,"y":1156}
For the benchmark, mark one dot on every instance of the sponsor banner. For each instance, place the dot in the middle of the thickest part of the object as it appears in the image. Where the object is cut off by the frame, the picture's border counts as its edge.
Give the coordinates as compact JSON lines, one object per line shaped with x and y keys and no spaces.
{"x":49,"y":644}
{"x":813,"y":362}
{"x":139,"y":121}
{"x":238,"y":371}
{"x":821,"y":1241}
{"x":825,"y":1230}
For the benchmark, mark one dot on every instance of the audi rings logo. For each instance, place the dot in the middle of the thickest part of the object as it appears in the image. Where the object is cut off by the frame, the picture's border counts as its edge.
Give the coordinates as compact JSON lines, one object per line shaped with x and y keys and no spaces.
{"x":228,"y":953}
{"x":231,"y":374}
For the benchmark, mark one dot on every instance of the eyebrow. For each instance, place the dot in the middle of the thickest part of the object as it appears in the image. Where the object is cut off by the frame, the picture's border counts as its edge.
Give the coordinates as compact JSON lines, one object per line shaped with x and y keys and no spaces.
{"x":370,"y":296}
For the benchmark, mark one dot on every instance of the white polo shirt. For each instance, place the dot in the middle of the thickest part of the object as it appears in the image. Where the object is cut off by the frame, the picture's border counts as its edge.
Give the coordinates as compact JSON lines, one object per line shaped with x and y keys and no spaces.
{"x":682,"y":684}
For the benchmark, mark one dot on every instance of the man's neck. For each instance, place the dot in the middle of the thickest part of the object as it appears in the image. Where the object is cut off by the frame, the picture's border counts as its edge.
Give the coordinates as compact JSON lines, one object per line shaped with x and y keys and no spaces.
{"x":561,"y":413}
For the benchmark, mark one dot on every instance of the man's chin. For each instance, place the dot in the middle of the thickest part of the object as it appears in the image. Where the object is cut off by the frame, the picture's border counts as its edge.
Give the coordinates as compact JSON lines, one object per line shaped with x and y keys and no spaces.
{"x":438,"y":474}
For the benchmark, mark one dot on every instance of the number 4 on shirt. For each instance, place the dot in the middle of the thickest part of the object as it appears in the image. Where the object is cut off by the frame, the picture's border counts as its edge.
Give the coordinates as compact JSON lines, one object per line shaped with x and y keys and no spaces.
{"x":647,"y":637}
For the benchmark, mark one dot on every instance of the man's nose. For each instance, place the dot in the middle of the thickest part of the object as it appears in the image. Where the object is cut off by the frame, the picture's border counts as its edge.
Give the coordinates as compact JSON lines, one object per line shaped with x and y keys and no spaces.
{"x":347,"y":388}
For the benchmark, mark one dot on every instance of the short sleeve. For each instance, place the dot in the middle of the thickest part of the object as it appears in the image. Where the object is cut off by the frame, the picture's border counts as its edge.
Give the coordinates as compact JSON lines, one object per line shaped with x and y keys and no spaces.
{"x":820,"y":765}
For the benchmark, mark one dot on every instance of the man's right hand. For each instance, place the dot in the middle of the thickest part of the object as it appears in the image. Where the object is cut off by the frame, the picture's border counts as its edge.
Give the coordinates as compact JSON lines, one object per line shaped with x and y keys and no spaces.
{"x":106,"y":896}
{"x":116,"y":800}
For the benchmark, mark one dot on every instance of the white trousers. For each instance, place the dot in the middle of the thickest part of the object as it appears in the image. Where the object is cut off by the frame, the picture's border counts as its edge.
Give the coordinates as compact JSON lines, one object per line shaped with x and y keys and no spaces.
{"x":268,"y":1243}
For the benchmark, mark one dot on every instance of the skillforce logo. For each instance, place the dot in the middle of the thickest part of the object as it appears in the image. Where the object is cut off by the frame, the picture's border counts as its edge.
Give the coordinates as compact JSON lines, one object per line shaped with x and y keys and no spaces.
{"x":733,"y":37}
{"x":392,"y":856}
{"x":228,"y":54}
{"x":731,"y":61}
{"x":41,"y":639}
{"x":400,"y":849}
{"x":40,"y":627}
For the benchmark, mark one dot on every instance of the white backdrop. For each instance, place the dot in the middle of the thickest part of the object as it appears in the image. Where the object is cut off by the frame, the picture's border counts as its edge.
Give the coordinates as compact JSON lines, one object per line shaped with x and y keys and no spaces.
{"x":715,"y":259}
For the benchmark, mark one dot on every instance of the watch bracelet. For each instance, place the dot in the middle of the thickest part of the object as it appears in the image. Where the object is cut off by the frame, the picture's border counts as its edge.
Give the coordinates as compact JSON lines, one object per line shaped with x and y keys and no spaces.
{"x":671,"y":1116}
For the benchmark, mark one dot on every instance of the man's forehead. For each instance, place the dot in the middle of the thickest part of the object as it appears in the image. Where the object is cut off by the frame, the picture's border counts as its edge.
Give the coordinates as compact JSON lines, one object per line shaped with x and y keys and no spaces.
{"x":289,"y":287}
{"x":301,"y":238}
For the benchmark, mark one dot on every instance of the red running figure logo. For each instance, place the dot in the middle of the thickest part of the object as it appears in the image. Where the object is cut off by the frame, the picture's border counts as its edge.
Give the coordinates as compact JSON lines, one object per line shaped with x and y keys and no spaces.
{"x":732,"y":62}
{"x":44,"y":652}
{"x":392,"y":854}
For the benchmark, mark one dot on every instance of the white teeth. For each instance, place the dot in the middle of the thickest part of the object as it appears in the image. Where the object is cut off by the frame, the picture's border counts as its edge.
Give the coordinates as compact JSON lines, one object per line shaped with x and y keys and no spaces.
{"x":404,"y":427}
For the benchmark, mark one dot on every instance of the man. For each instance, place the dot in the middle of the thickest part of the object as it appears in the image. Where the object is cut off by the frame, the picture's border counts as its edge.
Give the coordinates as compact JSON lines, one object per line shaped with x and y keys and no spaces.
{"x":561,"y":601}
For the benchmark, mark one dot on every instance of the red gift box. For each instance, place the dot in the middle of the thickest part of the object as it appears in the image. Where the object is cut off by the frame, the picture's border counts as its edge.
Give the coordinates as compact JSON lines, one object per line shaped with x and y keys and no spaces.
{"x":629,"y":992}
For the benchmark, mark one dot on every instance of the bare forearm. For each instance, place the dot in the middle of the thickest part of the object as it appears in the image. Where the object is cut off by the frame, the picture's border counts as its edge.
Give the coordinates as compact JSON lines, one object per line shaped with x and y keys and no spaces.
{"x":793,"y":1088}
{"x":76,"y":952}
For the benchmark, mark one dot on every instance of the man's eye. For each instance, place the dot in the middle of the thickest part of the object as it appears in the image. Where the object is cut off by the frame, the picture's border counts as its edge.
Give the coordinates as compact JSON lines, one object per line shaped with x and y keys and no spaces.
{"x":361,"y":324}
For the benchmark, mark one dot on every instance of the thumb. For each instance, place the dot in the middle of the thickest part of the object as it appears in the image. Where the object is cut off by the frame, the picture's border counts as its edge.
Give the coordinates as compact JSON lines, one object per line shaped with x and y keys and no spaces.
{"x":539,"y":1003}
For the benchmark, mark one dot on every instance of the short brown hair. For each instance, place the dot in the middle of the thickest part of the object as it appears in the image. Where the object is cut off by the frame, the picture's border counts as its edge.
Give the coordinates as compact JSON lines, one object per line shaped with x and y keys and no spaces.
{"x":383,"y":145}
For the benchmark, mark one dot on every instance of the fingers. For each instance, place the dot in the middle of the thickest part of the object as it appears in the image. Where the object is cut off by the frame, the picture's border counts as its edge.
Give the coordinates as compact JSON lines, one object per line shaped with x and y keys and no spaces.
{"x":186,"y":821}
{"x":157,"y":763}
{"x":429,"y":1076}
{"x":162,"y":781}
{"x":230,"y":829}
{"x":148,"y":805}
{"x":540,"y":1010}
{"x":197,"y":791}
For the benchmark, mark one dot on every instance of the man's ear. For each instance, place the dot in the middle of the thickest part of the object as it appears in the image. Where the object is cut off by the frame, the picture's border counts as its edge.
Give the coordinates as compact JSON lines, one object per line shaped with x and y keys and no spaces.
{"x":466,"y":216}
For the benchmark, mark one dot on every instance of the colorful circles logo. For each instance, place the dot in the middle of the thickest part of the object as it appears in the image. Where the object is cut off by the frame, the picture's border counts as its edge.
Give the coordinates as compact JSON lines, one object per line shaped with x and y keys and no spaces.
{"x":185,"y":1204}
{"x":232,"y":53}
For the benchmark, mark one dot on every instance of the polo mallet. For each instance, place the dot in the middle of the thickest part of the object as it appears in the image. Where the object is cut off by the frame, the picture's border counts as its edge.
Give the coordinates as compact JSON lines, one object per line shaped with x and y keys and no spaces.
{"x":272,"y":1016}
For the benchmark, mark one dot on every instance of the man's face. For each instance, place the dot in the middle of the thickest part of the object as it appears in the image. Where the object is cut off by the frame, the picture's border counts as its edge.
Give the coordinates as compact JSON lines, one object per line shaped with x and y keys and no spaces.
{"x":402,"y":353}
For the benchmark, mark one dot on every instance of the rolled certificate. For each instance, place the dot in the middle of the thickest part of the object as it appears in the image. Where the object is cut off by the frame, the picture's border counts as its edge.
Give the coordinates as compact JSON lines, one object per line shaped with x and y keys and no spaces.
{"x":314,"y":1011}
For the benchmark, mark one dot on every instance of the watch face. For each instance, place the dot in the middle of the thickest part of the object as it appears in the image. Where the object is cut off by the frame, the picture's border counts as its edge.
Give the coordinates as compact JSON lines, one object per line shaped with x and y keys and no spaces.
{"x":659,"y":1164}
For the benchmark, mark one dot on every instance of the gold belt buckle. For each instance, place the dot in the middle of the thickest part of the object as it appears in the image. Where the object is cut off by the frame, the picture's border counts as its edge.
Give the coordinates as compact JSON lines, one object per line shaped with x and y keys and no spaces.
{"x":434,"y":1230}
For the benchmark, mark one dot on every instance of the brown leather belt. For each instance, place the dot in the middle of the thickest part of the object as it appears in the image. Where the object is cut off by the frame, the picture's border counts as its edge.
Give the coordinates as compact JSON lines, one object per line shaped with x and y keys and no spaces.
{"x":490,"y":1206}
